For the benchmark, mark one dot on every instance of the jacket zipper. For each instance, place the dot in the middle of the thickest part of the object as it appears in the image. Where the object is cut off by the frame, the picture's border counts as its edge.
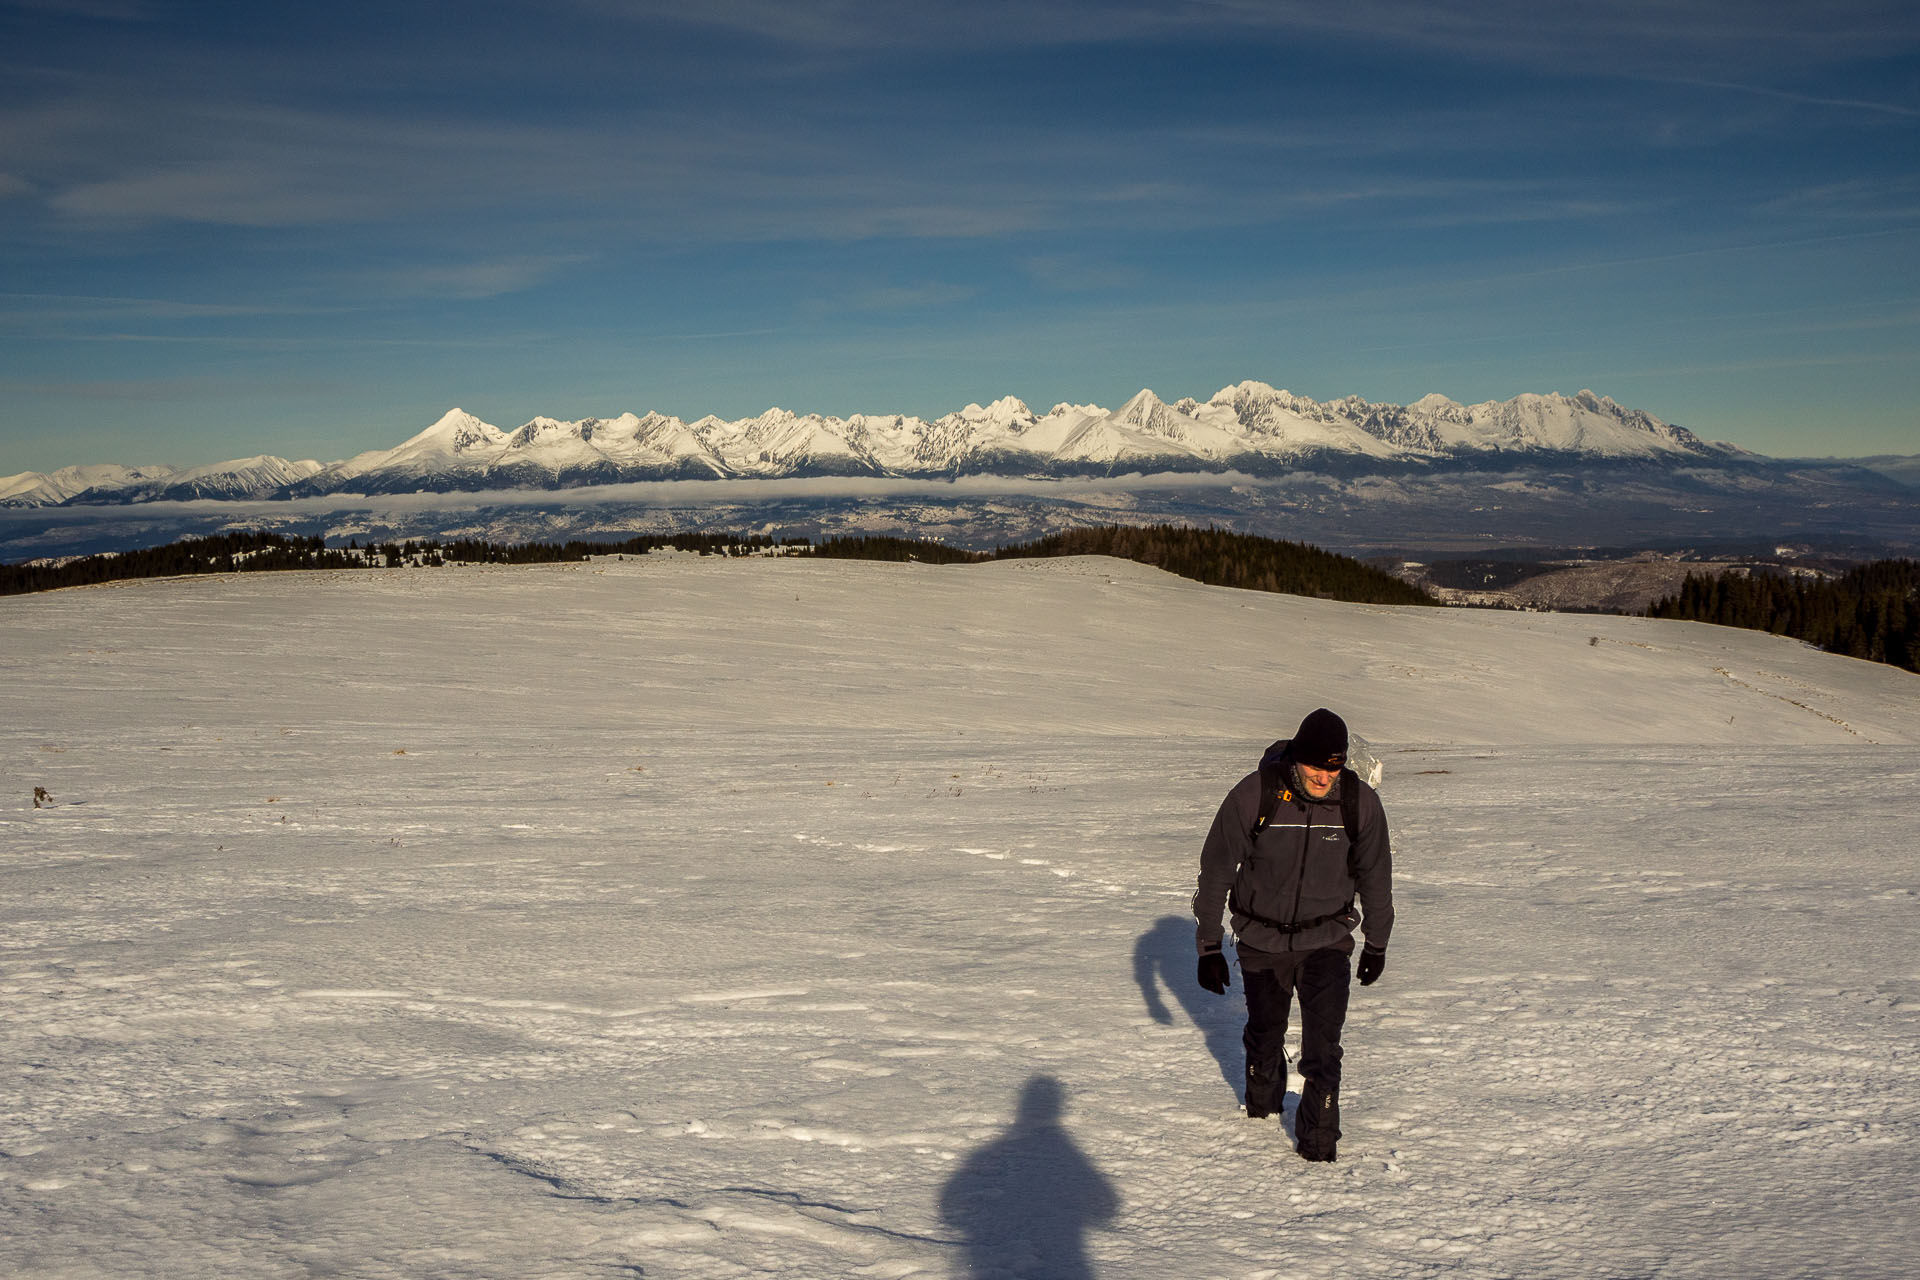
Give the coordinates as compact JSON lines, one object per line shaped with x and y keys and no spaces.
{"x":1300,"y":883}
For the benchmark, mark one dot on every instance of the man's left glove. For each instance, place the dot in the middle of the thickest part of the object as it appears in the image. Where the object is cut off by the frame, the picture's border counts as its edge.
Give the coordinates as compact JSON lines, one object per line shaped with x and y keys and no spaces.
{"x":1373,"y":963}
{"x":1213,"y":973}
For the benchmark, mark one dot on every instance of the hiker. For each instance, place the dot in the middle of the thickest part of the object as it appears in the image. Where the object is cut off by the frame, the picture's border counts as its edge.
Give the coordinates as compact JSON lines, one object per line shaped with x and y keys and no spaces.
{"x":1293,"y":845}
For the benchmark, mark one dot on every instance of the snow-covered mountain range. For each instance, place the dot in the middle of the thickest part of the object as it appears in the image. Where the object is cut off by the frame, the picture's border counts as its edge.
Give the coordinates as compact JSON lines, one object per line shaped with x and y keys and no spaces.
{"x":255,"y":477}
{"x":1248,"y":427}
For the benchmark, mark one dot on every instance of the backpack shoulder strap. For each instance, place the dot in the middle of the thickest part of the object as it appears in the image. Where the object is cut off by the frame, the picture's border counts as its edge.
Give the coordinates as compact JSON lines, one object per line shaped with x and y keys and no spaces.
{"x":1271,"y":783}
{"x":1350,"y":818}
{"x":1350,"y":809}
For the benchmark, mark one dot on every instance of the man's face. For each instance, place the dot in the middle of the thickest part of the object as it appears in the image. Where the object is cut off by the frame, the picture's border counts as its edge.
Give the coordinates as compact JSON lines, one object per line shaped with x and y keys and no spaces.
{"x":1316,"y":780}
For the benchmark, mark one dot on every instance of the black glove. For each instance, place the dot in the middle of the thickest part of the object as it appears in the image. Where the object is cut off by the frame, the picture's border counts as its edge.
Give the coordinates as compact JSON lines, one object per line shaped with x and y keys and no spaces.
{"x":1213,"y":973}
{"x":1373,"y":963}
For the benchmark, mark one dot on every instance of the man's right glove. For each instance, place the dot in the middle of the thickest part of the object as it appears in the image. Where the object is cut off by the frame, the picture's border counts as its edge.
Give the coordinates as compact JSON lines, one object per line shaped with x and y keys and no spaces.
{"x":1213,"y":973}
{"x":1373,"y":962}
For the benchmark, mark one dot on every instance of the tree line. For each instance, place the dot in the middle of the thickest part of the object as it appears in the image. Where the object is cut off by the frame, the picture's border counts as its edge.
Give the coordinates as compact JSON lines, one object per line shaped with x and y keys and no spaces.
{"x":1871,"y":612}
{"x":1221,"y":558}
{"x":1216,"y":557}
{"x":1212,"y":556}
{"x":252,"y":550}
{"x":218,"y":553}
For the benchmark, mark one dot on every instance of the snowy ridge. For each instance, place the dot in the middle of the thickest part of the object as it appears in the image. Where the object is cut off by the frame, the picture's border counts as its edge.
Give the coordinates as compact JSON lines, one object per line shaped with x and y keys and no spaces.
{"x":1250,"y":426}
{"x":36,"y":488}
{"x":261,"y":476}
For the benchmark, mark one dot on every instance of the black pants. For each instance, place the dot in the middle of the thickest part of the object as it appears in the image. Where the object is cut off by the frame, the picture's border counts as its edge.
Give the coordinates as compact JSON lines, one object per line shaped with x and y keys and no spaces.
{"x":1321,"y":979}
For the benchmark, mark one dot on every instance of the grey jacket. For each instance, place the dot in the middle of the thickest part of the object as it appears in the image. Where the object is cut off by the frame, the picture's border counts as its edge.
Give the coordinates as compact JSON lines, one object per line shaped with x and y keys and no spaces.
{"x":1300,"y":869}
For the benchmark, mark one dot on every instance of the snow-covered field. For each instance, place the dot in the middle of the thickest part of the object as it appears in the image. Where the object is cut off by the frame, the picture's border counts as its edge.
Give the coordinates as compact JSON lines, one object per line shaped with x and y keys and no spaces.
{"x":683,"y":917}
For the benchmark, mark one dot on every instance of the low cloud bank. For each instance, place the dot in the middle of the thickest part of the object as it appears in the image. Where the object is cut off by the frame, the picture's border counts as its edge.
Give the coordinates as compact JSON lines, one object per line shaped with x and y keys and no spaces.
{"x":667,"y":493}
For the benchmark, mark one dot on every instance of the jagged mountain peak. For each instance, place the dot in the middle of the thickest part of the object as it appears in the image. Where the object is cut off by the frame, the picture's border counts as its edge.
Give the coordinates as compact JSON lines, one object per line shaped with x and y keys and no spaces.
{"x":1256,"y":403}
{"x":456,"y":431}
{"x":1147,"y":412}
{"x":1005,"y":410}
{"x":451,"y":420}
{"x":1249,"y":425}
{"x":1437,"y":405}
{"x":542,"y":429}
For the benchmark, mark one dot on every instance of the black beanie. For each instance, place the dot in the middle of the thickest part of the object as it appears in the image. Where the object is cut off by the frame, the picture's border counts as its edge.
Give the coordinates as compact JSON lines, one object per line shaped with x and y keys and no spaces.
{"x":1321,"y":740}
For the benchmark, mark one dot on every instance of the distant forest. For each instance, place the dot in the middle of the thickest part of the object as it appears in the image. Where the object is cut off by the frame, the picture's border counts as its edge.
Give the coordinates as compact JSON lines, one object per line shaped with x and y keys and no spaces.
{"x":1870,"y":612}
{"x":1222,"y":559}
{"x":1213,"y":556}
{"x":250,"y":550}
{"x":1206,"y":555}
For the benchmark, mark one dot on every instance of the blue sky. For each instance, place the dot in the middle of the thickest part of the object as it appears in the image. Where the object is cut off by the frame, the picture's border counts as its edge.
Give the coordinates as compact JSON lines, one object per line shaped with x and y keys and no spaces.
{"x":238,"y":228}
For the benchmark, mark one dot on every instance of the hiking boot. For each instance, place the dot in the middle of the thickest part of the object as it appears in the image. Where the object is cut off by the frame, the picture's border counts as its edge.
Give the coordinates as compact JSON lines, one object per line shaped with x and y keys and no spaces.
{"x":1317,"y":1123}
{"x":1264,"y":1093}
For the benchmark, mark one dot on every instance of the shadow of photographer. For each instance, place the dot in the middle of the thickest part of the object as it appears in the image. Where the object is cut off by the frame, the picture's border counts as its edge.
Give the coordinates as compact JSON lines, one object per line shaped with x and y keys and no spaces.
{"x":1023,"y":1204}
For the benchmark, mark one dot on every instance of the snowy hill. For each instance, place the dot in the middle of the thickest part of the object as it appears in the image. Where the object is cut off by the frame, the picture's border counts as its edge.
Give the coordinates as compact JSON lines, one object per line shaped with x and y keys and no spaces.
{"x":1250,"y":427}
{"x":694,"y":918}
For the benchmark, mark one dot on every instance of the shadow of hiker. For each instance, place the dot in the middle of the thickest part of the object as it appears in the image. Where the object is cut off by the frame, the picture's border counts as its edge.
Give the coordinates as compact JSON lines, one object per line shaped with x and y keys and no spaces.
{"x":1024,"y":1202}
{"x":1165,"y":956}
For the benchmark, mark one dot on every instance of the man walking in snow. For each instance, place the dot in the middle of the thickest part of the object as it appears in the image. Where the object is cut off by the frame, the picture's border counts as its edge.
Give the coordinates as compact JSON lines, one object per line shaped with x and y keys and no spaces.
{"x":1293,"y":846}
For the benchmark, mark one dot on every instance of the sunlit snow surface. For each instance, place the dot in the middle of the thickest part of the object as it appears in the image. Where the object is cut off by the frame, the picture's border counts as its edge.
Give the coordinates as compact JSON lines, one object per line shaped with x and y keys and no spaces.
{"x":698,"y":918}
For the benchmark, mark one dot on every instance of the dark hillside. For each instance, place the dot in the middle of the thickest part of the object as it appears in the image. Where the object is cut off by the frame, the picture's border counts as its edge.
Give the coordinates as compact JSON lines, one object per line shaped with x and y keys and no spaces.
{"x":1224,"y":559}
{"x":1212,"y":556}
{"x":1871,"y":612}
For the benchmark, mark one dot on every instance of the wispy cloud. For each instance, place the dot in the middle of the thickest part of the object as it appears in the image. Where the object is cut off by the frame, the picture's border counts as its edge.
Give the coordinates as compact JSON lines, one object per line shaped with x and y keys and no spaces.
{"x":238,"y":196}
{"x":910,"y":297}
{"x":471,"y":281}
{"x":687,"y":493}
{"x":98,"y":10}
{"x":1075,"y":273}
{"x":255,"y":164}
{"x":719,"y":336}
{"x":104,"y":154}
{"x":675,"y":174}
{"x":152,"y":390}
{"x":1787,"y":95}
{"x":1708,"y":251}
{"x":40,"y":308}
{"x":681,"y":178}
{"x":1677,"y":33}
{"x":1854,"y":202}
{"x":1842,"y":360}
{"x":306,"y":343}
